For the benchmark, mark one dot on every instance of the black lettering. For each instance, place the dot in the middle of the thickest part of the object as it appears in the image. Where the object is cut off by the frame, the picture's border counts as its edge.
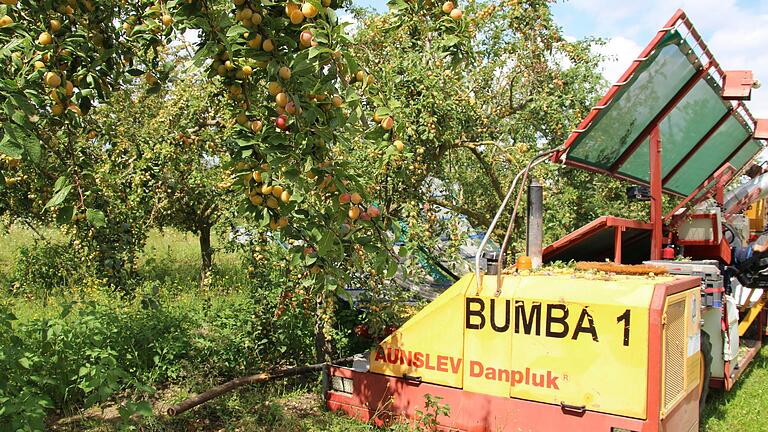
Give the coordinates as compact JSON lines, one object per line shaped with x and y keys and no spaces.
{"x":505,"y":326}
{"x":527,"y":322}
{"x":625,"y":317}
{"x":561,"y":320}
{"x":477,"y":313}
{"x":589,"y":328}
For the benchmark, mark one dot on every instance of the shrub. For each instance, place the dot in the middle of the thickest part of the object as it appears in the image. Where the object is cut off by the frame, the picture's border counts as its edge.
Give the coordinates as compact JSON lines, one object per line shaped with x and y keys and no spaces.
{"x":42,"y":269}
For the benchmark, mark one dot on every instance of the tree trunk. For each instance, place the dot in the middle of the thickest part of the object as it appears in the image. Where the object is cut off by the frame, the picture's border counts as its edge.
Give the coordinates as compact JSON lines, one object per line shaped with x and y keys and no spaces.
{"x":206,"y":252}
{"x":323,"y":346}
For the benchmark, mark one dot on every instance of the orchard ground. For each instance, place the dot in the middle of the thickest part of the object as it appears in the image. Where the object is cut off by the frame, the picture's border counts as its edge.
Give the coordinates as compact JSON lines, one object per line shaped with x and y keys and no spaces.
{"x":217,"y":328}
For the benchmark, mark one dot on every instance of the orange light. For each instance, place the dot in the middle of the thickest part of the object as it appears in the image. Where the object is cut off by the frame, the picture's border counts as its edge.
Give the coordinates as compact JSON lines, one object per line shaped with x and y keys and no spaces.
{"x":524,"y":263}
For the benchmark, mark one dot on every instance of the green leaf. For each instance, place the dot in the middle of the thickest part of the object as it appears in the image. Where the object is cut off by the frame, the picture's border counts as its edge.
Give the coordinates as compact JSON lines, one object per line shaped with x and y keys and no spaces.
{"x":392,"y":268}
{"x":64,"y":215}
{"x":236,"y":31}
{"x":25,"y":363}
{"x":30,"y":143}
{"x":10,"y":148}
{"x":58,"y":197}
{"x":144,"y":408}
{"x":96,"y":217}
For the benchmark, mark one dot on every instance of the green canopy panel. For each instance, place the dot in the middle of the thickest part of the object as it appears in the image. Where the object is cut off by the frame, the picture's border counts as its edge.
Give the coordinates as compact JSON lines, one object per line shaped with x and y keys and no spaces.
{"x":700,"y":131}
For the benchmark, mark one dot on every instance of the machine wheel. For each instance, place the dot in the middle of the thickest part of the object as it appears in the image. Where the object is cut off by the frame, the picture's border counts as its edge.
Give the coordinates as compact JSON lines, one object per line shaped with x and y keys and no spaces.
{"x":706,"y":373}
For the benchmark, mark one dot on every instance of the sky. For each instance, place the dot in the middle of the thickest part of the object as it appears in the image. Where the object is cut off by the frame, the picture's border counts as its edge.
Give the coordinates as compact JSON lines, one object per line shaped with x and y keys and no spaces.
{"x":736,"y":32}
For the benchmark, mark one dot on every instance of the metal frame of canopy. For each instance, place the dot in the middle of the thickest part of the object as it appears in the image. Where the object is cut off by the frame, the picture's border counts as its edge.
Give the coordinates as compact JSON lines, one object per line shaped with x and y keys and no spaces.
{"x":697,"y":149}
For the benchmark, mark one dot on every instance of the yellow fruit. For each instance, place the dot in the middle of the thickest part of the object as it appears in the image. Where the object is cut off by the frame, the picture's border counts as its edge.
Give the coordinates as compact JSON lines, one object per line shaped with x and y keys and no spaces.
{"x":447,"y":7}
{"x":387,"y":123}
{"x":256,"y":176}
{"x":45,"y":38}
{"x":290,"y":8}
{"x":75,"y":109}
{"x":92,"y":134}
{"x":221,"y":70}
{"x":256,"y":199}
{"x":360,"y":75}
{"x":354,"y":212}
{"x":246,"y":14}
{"x":272,"y":202}
{"x":297,"y":17}
{"x":274,"y":88}
{"x":456,"y":14}
{"x":57,"y":109}
{"x":305,"y":38}
{"x":39,"y":65}
{"x":309,"y":10}
{"x":255,"y":43}
{"x":69,"y":88}
{"x":256,"y":19}
{"x":337,"y":101}
{"x":268,"y":45}
{"x":356,"y":198}
{"x":55,"y":26}
{"x":52,"y":79}
{"x":284,"y":73}
{"x":256,"y":126}
{"x":167,"y":20}
{"x":281,"y":100}
{"x":242,"y":119}
{"x":5,"y":21}
{"x":276,"y":191}
{"x":285,"y":196}
{"x":326,"y":3}
{"x":283,"y":222}
{"x":273,"y":224}
{"x":399,"y":145}
{"x":376,"y":118}
{"x":229,"y":65}
{"x":266,"y":189}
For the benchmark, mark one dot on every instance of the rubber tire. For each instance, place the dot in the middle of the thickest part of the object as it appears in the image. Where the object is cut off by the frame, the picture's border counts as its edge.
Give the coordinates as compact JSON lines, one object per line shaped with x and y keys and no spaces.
{"x":706,"y":355}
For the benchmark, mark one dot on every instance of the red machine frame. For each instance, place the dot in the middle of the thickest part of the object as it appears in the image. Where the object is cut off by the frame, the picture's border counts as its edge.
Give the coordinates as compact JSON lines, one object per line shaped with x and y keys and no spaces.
{"x":653,"y":134}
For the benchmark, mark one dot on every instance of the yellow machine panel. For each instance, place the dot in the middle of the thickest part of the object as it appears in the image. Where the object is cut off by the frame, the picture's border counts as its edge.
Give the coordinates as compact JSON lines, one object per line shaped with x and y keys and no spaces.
{"x":547,"y":338}
{"x":586,"y":351}
{"x":430,"y":344}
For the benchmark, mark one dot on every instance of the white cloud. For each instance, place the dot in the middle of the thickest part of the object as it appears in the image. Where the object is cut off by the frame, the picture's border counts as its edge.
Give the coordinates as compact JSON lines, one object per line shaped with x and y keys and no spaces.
{"x":619,"y":53}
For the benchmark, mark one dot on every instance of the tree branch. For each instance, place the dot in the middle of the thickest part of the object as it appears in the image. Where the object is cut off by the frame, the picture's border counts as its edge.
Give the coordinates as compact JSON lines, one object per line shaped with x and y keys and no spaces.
{"x":488,"y":172}
{"x":472,"y":214}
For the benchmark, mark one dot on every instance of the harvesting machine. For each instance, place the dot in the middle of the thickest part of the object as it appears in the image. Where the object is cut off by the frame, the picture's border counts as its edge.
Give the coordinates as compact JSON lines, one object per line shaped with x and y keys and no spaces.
{"x":544,"y":350}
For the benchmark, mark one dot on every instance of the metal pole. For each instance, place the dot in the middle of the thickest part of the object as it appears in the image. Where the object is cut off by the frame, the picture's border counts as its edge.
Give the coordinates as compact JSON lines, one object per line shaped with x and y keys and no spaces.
{"x":656,"y":193}
{"x":535,"y":222}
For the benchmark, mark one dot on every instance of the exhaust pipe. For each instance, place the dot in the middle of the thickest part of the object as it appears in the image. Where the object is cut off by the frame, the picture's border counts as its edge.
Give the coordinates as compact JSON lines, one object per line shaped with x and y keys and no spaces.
{"x":535,"y":223}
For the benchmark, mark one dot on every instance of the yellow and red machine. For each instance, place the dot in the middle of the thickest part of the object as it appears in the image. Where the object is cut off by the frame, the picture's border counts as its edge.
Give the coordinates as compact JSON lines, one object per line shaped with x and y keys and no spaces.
{"x":544,"y":351}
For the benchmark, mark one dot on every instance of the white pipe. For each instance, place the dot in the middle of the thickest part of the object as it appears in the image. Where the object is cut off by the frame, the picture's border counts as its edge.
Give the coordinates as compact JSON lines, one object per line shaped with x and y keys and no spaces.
{"x":496,"y":218}
{"x":740,"y":198}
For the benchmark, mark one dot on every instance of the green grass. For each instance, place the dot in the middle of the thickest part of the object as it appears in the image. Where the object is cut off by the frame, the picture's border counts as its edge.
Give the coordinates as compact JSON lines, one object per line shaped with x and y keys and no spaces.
{"x":745,"y":407}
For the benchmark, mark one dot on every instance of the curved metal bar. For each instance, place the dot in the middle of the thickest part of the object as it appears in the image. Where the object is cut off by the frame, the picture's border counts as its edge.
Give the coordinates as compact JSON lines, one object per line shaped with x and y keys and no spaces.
{"x":541,"y":157}
{"x":536,"y":159}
